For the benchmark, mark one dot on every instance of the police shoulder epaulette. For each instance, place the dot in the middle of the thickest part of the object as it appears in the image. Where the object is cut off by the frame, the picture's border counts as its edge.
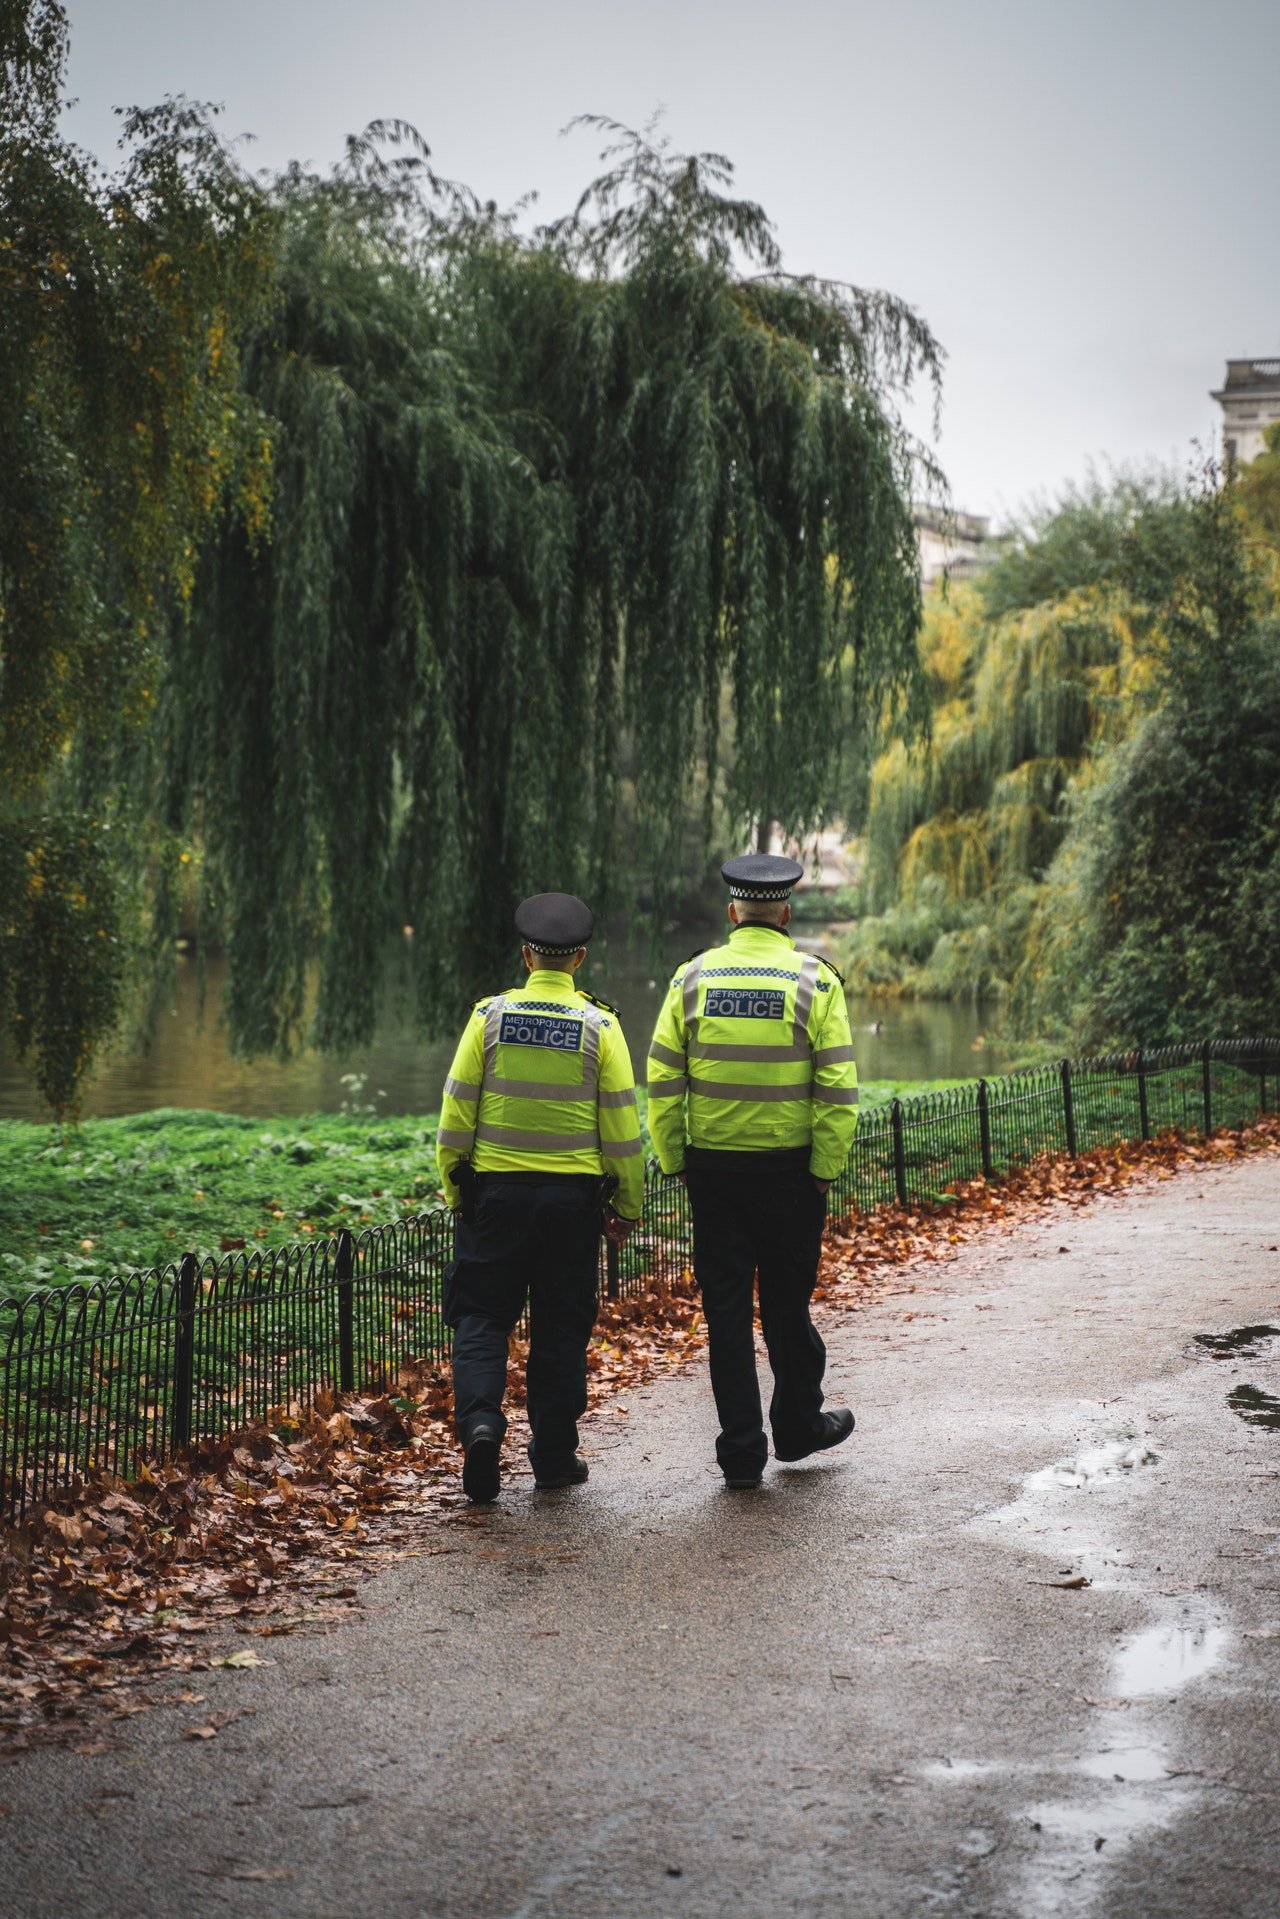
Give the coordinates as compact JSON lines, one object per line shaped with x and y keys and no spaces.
{"x":822,"y":959}
{"x":603,"y":1004}
{"x":483,"y":1000}
{"x":697,"y":954}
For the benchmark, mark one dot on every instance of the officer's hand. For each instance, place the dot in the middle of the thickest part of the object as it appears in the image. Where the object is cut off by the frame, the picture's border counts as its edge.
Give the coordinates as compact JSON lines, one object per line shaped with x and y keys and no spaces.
{"x":618,"y":1230}
{"x":821,"y":1184}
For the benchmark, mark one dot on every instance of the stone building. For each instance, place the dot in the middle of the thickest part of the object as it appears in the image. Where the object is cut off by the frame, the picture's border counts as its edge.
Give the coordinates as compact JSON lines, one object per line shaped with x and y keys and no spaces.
{"x":1250,"y":402}
{"x":950,"y":543}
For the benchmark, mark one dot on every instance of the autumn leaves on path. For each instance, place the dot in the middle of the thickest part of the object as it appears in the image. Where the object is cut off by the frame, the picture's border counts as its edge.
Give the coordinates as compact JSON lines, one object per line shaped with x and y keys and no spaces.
{"x":203,"y":1561}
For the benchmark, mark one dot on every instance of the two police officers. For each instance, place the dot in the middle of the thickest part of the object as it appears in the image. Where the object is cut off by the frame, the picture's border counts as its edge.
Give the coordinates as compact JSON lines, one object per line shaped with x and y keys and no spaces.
{"x":753,"y":1099}
{"x":540,"y":1141}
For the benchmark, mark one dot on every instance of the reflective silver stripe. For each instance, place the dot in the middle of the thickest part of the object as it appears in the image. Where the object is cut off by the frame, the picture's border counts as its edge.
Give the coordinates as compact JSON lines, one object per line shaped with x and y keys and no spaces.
{"x":667,"y":1088}
{"x":756,"y":1055}
{"x":518,"y":1137}
{"x":666,"y":1055}
{"x":461,"y":1088}
{"x":832,"y":1056}
{"x":492,"y":1027}
{"x":569,"y":1091}
{"x":804,"y":1000}
{"x":590,"y":1048}
{"x":836,"y":1095}
{"x":625,"y":1096}
{"x":690,"y":994}
{"x":455,"y":1137}
{"x":734,"y":1089}
{"x":621,"y":1149}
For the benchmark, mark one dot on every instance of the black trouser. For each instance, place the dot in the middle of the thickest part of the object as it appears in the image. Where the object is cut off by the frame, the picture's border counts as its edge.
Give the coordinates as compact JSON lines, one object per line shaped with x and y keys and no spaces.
{"x":534,"y":1236}
{"x":759,"y":1212}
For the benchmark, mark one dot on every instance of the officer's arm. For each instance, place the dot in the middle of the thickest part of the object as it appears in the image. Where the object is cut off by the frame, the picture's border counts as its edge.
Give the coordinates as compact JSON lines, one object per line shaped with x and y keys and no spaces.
{"x":835,"y":1085}
{"x":668,"y":1080}
{"x":621,"y":1146}
{"x":460,"y":1104}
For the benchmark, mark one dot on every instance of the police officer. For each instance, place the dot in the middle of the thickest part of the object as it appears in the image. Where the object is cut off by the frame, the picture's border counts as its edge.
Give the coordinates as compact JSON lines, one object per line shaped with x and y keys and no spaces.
{"x":539,"y":1133}
{"x":753,"y":1098}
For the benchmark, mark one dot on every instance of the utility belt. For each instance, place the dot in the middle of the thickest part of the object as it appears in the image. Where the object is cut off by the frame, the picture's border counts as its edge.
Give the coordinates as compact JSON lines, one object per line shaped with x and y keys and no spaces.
{"x":780,"y":1159}
{"x":598,"y":1186}
{"x":575,"y":1182}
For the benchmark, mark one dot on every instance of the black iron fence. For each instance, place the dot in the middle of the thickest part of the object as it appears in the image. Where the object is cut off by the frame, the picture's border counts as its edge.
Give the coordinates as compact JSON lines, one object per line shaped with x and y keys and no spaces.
{"x":108,"y":1375}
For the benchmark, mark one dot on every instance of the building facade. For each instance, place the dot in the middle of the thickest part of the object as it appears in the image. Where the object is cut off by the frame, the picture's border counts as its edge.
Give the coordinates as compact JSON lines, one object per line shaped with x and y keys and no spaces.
{"x":1250,"y":402}
{"x":951,"y":543}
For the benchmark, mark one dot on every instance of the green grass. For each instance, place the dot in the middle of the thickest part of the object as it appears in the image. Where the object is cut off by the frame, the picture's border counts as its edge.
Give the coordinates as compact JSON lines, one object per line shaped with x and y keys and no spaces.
{"x":140,"y":1191}
{"x":137,"y":1192}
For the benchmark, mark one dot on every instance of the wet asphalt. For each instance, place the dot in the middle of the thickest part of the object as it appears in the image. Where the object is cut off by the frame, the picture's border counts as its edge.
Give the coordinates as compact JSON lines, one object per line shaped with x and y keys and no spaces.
{"x":856,"y":1692}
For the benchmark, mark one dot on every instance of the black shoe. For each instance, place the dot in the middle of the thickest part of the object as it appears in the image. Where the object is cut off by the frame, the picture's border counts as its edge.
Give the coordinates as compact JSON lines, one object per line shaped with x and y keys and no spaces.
{"x":481,"y":1473}
{"x":742,"y":1482}
{"x":571,"y":1474}
{"x":835,"y":1427}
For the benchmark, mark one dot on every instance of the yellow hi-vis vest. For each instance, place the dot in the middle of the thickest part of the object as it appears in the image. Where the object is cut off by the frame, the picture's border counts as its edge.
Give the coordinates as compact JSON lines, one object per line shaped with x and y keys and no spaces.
{"x":541,"y":1083}
{"x":752,"y":1053}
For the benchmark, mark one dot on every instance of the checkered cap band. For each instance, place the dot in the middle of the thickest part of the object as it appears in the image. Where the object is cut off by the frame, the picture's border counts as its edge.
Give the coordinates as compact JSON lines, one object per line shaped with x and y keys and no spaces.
{"x":776,"y":892}
{"x":553,"y":952}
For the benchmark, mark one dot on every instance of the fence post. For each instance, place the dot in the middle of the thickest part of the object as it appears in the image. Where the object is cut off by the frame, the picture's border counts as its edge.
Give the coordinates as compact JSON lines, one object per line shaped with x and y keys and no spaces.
{"x":899,"y":1152}
{"x":343,"y":1275}
{"x":1208,"y":1094}
{"x":984,"y":1129}
{"x":612,"y":1270}
{"x":1143,"y":1115}
{"x":184,"y":1351}
{"x":1068,"y":1108}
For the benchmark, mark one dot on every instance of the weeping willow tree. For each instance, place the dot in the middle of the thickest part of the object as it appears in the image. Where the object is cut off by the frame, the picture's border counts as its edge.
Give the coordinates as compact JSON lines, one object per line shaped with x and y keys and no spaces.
{"x":544,"y":504}
{"x":1033,"y":672}
{"x":123,"y":297}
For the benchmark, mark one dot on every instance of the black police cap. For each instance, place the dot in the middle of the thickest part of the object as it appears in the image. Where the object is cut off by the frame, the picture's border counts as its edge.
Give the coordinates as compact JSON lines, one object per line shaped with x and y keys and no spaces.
{"x":554,"y":923}
{"x":761,"y":876}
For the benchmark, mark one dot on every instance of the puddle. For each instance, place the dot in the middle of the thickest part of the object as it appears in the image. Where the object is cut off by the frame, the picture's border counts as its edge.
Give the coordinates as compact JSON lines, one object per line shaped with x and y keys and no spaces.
{"x":1243,"y":1342}
{"x":1259,"y":1408}
{"x":1125,"y":1764}
{"x":1166,"y":1658}
{"x":1116,"y":1454}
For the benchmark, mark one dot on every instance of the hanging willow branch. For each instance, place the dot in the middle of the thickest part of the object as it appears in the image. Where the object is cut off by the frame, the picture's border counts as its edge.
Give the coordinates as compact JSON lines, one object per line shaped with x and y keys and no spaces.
{"x":540,"y":501}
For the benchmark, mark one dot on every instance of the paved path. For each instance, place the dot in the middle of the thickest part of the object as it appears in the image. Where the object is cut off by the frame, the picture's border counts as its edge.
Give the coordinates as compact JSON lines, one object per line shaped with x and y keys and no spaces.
{"x":857,"y":1692}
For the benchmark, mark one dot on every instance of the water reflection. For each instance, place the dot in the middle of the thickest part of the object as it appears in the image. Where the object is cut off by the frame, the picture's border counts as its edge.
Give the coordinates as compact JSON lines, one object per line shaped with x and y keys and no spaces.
{"x":189,"y":1064}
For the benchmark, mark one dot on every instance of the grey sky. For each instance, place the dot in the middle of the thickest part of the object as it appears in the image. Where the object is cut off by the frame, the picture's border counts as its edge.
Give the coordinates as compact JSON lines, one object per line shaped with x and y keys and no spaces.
{"x":1079,"y":197}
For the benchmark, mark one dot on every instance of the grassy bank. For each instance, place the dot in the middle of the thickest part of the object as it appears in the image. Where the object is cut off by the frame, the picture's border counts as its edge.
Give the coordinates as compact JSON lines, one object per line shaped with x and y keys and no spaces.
{"x":137,"y":1192}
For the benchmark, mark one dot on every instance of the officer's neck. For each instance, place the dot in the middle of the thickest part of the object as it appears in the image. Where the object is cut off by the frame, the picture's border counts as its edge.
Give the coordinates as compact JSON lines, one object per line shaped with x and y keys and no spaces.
{"x":760,"y":926}
{"x":548,"y":976}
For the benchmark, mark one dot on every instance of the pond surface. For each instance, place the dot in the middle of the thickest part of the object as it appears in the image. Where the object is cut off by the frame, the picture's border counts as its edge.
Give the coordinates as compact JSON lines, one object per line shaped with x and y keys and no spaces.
{"x":189,"y":1063}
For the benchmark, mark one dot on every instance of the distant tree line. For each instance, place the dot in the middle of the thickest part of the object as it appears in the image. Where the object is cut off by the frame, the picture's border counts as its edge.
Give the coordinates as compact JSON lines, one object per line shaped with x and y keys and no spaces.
{"x":1091,"y":834}
{"x":371,"y":557}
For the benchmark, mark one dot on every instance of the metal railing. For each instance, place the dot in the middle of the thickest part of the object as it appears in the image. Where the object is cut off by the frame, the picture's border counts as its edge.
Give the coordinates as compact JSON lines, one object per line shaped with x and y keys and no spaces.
{"x":108,"y":1375}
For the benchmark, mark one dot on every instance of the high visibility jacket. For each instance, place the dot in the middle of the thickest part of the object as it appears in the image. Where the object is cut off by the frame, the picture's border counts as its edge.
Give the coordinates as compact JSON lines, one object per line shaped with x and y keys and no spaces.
{"x":752,"y":1053}
{"x":541,"y":1082}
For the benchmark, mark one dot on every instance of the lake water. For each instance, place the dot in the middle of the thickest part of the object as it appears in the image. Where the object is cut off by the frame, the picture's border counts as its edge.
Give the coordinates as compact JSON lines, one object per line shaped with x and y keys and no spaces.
{"x":189,"y":1064}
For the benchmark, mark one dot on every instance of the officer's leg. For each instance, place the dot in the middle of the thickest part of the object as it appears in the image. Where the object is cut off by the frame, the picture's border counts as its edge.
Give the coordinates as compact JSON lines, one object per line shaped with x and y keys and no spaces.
{"x":790,"y":1216}
{"x":724,"y":1259}
{"x":484,"y":1289}
{"x":562,"y":1310}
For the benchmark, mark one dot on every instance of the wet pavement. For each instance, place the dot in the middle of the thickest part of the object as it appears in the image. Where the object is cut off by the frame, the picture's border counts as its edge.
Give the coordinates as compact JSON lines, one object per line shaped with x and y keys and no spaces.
{"x":1012,"y":1651}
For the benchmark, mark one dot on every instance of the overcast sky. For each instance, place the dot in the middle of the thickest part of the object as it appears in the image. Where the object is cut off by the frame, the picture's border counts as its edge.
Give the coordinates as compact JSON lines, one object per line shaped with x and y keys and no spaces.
{"x":1078,"y":197}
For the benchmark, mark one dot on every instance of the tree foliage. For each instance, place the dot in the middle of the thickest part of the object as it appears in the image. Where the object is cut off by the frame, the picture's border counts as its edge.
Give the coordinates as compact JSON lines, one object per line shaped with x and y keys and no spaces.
{"x":1091,"y":831}
{"x":1160,"y":919}
{"x":1031,"y":671}
{"x":543,"y":500}
{"x":126,"y":427}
